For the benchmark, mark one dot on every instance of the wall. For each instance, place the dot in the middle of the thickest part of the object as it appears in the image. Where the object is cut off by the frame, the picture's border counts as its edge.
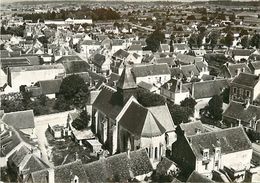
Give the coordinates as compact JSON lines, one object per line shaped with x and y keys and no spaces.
{"x":154,"y":79}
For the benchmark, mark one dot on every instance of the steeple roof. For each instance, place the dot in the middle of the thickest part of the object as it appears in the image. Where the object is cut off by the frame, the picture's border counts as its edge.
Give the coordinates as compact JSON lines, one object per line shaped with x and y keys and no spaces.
{"x":126,"y":80}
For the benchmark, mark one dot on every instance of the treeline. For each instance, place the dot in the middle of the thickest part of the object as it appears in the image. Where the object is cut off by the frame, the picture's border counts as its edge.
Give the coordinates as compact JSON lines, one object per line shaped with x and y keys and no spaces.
{"x":95,"y":14}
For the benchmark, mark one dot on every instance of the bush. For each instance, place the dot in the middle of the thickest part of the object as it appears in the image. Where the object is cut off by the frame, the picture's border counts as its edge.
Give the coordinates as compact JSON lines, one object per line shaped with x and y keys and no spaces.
{"x":148,"y":99}
{"x":82,"y":121}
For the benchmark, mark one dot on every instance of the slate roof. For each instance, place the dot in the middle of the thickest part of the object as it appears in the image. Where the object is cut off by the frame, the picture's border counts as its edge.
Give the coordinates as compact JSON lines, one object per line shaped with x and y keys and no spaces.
{"x":237,"y":110}
{"x":112,"y":79}
{"x":176,"y":72}
{"x":151,"y":70}
{"x":19,"y":155}
{"x":141,"y":122}
{"x":126,"y":80}
{"x":206,"y":89}
{"x":191,"y":128}
{"x":33,"y":163}
{"x":67,"y":58}
{"x":145,"y":85}
{"x":13,"y":62}
{"x":90,"y":42}
{"x":245,"y":79}
{"x":163,"y":115}
{"x":108,"y":102}
{"x":19,"y":119}
{"x":121,"y":54}
{"x":99,"y":59}
{"x":200,"y":65}
{"x":4,"y":54}
{"x":230,"y":140}
{"x":197,"y":177}
{"x":164,"y":47}
{"x":241,"y":52}
{"x":180,"y":46}
{"x":36,"y":67}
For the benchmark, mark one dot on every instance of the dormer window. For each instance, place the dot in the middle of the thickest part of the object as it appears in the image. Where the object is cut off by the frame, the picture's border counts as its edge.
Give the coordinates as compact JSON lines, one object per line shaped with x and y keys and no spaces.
{"x":205,"y":154}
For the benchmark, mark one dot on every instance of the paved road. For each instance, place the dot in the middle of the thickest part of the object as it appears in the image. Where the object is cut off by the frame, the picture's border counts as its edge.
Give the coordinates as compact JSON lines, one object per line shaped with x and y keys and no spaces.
{"x":41,"y":125}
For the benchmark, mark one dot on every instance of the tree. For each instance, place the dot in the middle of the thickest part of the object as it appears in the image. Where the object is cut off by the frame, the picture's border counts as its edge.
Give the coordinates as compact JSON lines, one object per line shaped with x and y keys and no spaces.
{"x":225,"y":95}
{"x":213,"y":39}
{"x":179,"y":114}
{"x":200,"y":39}
{"x":154,"y":40}
{"x":232,"y":18}
{"x":74,"y":91}
{"x":192,"y":40}
{"x":189,"y":102}
{"x":255,"y":41}
{"x":191,"y":17}
{"x":228,"y":40}
{"x":215,"y":107}
{"x":148,"y":99}
{"x":245,"y":41}
{"x":82,"y":121}
{"x":243,"y":32}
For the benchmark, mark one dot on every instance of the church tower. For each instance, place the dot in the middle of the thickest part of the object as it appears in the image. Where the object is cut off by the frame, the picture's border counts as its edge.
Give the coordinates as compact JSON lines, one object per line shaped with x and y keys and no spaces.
{"x":126,"y":86}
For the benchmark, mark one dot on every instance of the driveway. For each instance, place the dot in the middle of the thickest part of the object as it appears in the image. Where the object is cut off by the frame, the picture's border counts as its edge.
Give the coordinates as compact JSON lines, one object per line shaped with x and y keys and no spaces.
{"x":41,"y":125}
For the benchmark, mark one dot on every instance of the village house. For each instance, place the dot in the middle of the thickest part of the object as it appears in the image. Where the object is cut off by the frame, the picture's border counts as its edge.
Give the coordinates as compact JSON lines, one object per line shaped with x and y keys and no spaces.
{"x":157,"y":74}
{"x":21,"y":120}
{"x":240,"y":54}
{"x":135,"y":48}
{"x":101,"y":64}
{"x":231,"y":70}
{"x":18,"y":76}
{"x":180,"y":48}
{"x":215,"y":152}
{"x":244,"y":114}
{"x":88,"y":47}
{"x":164,"y":48}
{"x":255,"y":67}
{"x":245,"y":87}
{"x":175,"y":91}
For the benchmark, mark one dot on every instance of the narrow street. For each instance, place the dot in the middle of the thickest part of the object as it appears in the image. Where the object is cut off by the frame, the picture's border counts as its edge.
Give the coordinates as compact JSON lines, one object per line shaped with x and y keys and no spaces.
{"x":41,"y":125}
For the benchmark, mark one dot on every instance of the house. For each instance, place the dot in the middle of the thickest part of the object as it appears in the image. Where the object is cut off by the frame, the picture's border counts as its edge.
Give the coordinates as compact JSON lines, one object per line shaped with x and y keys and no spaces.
{"x":136,"y":48}
{"x":202,"y":67}
{"x":18,"y":76}
{"x":231,"y":70}
{"x":197,"y":177}
{"x":254,"y":67}
{"x":245,"y":114}
{"x":101,"y":64}
{"x":147,"y":86}
{"x":49,"y":88}
{"x":240,"y":54}
{"x":21,"y":120}
{"x":157,"y":74}
{"x":88,"y":47}
{"x":180,"y":48}
{"x":191,"y":128}
{"x":167,"y":167}
{"x":183,"y":59}
{"x":227,"y":150}
{"x":164,"y":48}
{"x":245,"y":87}
{"x":67,"y":173}
{"x":189,"y":72}
{"x":168,"y":60}
{"x":11,"y":141}
{"x":24,"y":161}
{"x":133,"y":58}
{"x":122,"y":167}
{"x":174,"y":91}
{"x":199,"y":52}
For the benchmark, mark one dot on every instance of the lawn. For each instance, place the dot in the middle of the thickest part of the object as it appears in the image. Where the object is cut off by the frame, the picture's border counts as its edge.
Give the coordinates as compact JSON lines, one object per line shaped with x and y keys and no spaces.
{"x":66,"y":150}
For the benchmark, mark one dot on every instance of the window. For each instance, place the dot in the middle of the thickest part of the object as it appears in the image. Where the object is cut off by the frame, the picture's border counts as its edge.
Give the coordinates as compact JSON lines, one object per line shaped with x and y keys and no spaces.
{"x":206,"y":166}
{"x":234,"y":90}
{"x":241,"y":91}
{"x":247,"y":93}
{"x":216,"y":163}
{"x":205,"y":154}
{"x":155,"y":153}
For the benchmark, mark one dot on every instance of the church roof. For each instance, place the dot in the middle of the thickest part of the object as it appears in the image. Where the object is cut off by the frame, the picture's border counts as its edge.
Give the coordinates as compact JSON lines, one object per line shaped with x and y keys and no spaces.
{"x":126,"y":80}
{"x":141,"y":122}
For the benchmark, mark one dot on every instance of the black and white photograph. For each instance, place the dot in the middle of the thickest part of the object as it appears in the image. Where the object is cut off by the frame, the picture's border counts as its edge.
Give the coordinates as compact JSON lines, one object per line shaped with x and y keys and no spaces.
{"x":130,"y":91}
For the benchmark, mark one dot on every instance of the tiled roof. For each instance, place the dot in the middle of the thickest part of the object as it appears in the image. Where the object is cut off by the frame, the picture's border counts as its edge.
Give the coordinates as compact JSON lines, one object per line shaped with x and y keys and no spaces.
{"x":246,"y":79}
{"x":232,"y":69}
{"x":168,"y":60}
{"x":108,"y":102}
{"x":19,"y":155}
{"x":241,"y":52}
{"x":36,"y":67}
{"x":4,"y":54}
{"x":19,"y":119}
{"x":187,"y":70}
{"x":119,"y":167}
{"x":50,"y":86}
{"x":126,"y":80}
{"x":34,"y":164}
{"x":135,"y":47}
{"x":164,"y":165}
{"x":255,"y":65}
{"x":187,"y":59}
{"x":150,"y":70}
{"x":197,"y":177}
{"x":180,"y":46}
{"x":67,"y":58}
{"x":14,"y":62}
{"x":141,"y":122}
{"x":230,"y":140}
{"x":175,"y":86}
{"x":206,"y":89}
{"x":75,"y":66}
{"x":192,"y":128}
{"x":238,"y":110}
{"x":145,"y":85}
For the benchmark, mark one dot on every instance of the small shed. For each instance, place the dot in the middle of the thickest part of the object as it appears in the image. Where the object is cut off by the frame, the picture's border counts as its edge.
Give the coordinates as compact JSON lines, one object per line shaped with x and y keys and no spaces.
{"x":95,"y":145}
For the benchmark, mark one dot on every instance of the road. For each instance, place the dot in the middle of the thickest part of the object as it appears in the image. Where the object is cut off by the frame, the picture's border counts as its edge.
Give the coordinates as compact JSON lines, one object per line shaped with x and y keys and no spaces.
{"x":41,"y":125}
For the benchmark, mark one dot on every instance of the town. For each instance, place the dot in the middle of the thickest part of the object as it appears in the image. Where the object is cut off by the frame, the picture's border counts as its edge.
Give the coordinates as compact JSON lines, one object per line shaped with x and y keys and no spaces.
{"x":117,"y":91}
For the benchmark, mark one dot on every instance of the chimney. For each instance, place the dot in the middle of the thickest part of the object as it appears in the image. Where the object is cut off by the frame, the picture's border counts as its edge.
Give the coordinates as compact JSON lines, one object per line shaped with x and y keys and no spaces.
{"x":180,"y":86}
{"x":169,"y":86}
{"x":10,"y":133}
{"x":76,"y":156}
{"x":243,"y":69}
{"x":239,"y":122}
{"x":192,"y":89}
{"x":247,"y":104}
{"x":51,"y":175}
{"x":238,"y":71}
